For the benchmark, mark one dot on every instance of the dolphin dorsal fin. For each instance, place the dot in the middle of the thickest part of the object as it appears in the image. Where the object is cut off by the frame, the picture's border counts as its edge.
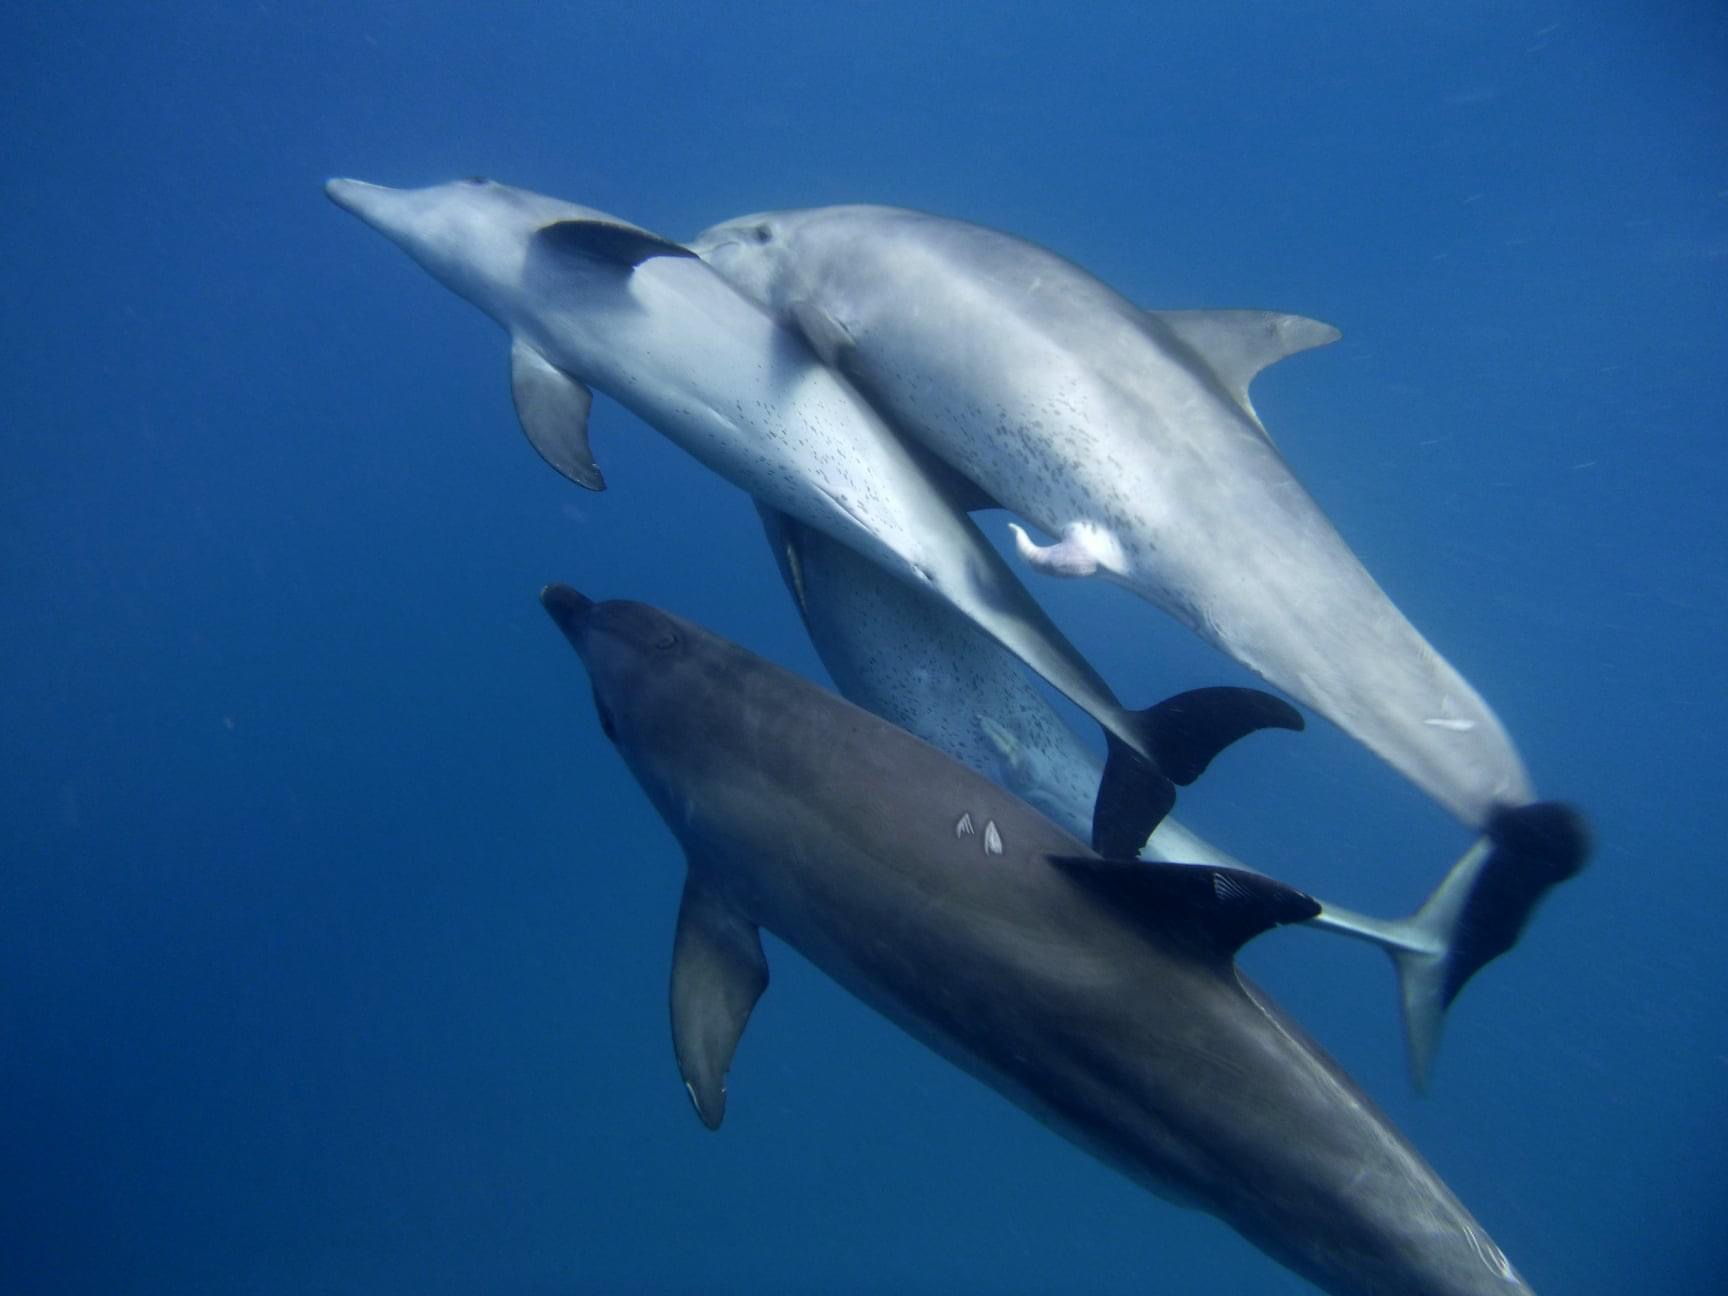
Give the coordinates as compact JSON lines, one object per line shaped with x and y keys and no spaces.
{"x":1237,"y":344}
{"x":718,"y":974}
{"x":610,"y":241}
{"x":1221,"y":909}
{"x":553,"y":409}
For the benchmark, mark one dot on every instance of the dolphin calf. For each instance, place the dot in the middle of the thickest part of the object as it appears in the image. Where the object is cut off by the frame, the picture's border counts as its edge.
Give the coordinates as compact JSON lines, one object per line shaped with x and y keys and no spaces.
{"x":1102,"y":997}
{"x":915,"y":664}
{"x":590,"y":301}
{"x":1128,"y":436}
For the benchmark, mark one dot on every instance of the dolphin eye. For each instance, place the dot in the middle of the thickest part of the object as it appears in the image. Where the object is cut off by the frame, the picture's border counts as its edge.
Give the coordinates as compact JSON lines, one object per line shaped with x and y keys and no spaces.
{"x":761,"y":233}
{"x":667,"y":638}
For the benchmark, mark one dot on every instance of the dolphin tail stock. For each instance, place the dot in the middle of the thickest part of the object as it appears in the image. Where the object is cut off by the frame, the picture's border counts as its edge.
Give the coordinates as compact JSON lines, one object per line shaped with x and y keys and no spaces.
{"x":1183,"y":733}
{"x":1477,"y":913}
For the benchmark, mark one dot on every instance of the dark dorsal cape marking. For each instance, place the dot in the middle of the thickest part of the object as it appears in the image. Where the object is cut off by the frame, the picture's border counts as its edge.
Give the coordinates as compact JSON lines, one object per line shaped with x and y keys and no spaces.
{"x":1218,"y":909}
{"x":620,"y":245}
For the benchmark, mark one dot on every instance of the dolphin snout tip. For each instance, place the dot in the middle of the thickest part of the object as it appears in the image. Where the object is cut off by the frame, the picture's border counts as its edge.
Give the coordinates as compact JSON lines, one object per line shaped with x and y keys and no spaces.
{"x":346,"y":193}
{"x":567,"y":607}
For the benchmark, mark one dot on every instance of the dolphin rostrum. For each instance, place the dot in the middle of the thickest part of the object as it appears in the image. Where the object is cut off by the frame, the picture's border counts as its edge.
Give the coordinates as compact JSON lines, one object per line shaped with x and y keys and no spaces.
{"x":913,"y":662}
{"x":1128,"y":436}
{"x":590,"y":301}
{"x":1100,"y":996}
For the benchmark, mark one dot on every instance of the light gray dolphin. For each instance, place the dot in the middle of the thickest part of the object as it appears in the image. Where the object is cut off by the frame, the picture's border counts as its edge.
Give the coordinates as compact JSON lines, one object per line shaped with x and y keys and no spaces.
{"x":916,"y":664}
{"x":590,"y":301}
{"x":1127,"y":435}
{"x":1101,"y":997}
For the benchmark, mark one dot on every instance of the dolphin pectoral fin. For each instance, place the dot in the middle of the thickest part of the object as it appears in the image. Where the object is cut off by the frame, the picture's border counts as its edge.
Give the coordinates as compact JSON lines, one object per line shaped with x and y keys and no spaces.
{"x":612,"y":242}
{"x":1082,"y":551}
{"x":553,"y":409}
{"x":827,"y":336}
{"x":1184,"y":732}
{"x":718,"y":974}
{"x":785,"y":540}
{"x":1237,"y":344}
{"x":1477,"y":913}
{"x":1221,"y":908}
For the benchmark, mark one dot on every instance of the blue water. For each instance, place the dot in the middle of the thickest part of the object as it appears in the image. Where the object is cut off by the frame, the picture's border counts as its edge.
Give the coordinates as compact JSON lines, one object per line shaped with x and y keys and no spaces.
{"x":334,"y":938}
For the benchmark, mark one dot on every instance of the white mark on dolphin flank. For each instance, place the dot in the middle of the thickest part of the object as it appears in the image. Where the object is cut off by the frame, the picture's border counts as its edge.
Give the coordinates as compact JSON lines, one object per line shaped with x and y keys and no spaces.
{"x":1084,"y":548}
{"x":992,"y":838}
{"x":963,"y":827}
{"x":1491,"y":1256}
{"x":1456,"y":726}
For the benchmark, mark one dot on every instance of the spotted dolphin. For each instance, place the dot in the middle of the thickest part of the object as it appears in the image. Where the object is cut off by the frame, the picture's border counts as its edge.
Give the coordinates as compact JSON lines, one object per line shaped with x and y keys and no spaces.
{"x":1101,"y":997}
{"x":593,"y":302}
{"x":1127,"y":436}
{"x":914,"y":663}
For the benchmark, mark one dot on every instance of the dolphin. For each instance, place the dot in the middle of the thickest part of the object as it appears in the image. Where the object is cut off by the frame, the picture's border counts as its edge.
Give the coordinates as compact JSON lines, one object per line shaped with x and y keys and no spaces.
{"x":1128,"y":436}
{"x":917,"y":665}
{"x":1100,"y":996}
{"x":590,"y":301}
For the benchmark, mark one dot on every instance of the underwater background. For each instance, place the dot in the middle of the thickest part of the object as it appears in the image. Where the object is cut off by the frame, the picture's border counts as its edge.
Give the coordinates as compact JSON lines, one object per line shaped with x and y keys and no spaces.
{"x":334,"y":937}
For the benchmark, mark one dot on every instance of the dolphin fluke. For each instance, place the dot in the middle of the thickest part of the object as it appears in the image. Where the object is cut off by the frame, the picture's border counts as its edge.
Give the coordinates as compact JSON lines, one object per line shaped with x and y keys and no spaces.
{"x":1184,"y":732}
{"x":1133,"y":798}
{"x":1477,"y":913}
{"x":1189,"y":729}
{"x":1535,"y":847}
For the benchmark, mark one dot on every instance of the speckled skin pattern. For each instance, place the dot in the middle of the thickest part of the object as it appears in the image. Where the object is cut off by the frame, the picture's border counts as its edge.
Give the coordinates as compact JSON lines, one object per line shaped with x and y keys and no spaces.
{"x":1073,"y":408}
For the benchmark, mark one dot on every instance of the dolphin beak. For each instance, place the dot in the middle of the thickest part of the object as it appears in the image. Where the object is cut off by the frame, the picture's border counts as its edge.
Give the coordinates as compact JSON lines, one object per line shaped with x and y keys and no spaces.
{"x":569,"y":611}
{"x":356,"y":196}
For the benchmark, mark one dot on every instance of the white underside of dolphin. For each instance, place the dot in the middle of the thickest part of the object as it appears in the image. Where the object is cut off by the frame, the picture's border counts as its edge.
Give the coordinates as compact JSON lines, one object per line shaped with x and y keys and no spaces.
{"x":1128,"y":439}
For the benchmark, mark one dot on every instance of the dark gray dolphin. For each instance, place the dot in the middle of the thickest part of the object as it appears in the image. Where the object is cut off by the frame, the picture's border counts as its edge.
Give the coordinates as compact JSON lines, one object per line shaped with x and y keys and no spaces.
{"x":591,"y":301}
{"x":1128,"y":436}
{"x":914,"y":663}
{"x":1101,"y":997}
